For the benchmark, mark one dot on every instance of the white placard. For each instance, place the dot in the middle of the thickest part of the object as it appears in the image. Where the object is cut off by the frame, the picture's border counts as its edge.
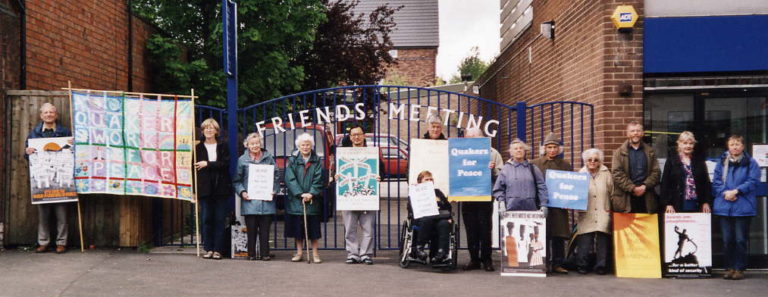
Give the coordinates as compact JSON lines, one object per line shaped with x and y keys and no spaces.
{"x":423,"y":200}
{"x":261,"y":179}
{"x":431,"y":155}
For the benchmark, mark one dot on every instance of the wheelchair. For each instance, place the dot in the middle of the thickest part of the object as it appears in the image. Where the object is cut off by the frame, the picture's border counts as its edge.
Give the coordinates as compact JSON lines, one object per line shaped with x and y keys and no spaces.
{"x":408,"y":247}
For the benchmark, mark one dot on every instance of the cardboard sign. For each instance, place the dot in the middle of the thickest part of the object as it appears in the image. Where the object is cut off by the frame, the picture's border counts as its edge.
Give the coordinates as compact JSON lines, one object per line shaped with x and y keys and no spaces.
{"x":636,"y":245}
{"x":423,"y":200}
{"x":567,"y":189}
{"x":261,"y":180}
{"x":51,"y":170}
{"x":469,"y":175}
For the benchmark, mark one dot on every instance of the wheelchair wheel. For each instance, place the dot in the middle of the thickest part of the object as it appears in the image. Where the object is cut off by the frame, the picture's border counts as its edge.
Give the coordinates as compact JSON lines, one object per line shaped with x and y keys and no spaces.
{"x":405,"y":245}
{"x":454,"y":247}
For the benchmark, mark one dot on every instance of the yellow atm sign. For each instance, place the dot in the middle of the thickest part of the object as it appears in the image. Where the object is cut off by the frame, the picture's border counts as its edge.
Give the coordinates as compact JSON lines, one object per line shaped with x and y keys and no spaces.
{"x":624,"y":17}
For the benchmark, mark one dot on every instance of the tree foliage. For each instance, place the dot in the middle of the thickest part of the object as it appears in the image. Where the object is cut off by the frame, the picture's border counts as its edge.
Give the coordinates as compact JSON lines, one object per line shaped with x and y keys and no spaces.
{"x":350,"y":48}
{"x":470,"y":65}
{"x":187,"y":53}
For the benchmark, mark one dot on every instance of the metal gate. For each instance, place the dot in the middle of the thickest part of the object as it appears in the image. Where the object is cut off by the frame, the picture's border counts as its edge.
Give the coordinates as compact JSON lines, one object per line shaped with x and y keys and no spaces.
{"x":392,"y":115}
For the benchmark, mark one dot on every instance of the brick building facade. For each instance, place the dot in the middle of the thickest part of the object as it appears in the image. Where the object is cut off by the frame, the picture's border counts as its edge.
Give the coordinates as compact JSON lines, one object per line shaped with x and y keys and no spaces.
{"x":415,"y":67}
{"x":588,"y":61}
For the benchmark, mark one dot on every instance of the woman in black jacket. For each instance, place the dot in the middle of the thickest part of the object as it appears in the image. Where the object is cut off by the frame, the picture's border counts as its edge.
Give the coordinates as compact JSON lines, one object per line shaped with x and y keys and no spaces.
{"x":685,"y":185}
{"x":214,"y":187}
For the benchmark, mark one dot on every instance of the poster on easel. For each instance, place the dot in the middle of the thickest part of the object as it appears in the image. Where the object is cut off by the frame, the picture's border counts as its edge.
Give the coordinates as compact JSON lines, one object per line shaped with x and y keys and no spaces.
{"x":51,"y":170}
{"x":524,"y":244}
{"x":687,"y":245}
{"x":636,"y":245}
{"x":358,"y":171}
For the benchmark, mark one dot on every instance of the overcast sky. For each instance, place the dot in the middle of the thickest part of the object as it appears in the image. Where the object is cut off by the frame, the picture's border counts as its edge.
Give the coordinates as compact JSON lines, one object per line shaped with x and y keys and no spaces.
{"x":464,"y":24}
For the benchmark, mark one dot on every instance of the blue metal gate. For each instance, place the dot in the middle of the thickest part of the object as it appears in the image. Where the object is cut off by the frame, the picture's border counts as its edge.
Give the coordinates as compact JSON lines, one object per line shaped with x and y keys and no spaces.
{"x":393,"y":115}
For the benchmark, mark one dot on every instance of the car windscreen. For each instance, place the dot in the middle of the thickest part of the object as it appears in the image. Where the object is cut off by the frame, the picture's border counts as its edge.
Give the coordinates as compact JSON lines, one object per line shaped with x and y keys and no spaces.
{"x":283,"y":143}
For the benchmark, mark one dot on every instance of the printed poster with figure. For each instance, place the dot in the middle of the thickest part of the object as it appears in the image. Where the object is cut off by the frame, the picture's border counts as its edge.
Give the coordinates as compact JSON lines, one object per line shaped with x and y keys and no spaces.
{"x":357,"y":187}
{"x":687,"y":245}
{"x":524,"y":244}
{"x":51,"y":170}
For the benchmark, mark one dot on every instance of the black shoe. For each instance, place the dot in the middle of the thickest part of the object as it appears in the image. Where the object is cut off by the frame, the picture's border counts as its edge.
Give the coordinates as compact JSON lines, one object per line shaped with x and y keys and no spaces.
{"x":488,"y":266}
{"x":351,"y":261}
{"x":259,"y":257}
{"x":601,"y":270}
{"x":439,"y":256}
{"x":472,"y":265}
{"x":420,"y":253}
{"x":582,"y":270}
{"x":367,"y":260}
{"x":266,"y":258}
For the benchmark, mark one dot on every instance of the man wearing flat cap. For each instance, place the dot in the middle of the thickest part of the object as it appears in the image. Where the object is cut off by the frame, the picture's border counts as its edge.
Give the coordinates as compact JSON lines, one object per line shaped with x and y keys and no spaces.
{"x":558,"y":230}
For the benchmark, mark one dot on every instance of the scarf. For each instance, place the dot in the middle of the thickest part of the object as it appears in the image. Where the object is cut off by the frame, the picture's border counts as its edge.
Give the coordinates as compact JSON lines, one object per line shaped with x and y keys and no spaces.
{"x":728,"y":159}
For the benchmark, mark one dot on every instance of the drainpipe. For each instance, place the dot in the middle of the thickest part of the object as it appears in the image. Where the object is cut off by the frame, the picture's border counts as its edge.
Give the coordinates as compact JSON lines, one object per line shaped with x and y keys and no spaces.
{"x":129,"y":14}
{"x":23,"y":45}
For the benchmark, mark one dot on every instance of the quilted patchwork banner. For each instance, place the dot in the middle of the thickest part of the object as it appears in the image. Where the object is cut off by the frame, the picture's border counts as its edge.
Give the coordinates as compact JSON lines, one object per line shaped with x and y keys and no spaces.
{"x":133,"y":145}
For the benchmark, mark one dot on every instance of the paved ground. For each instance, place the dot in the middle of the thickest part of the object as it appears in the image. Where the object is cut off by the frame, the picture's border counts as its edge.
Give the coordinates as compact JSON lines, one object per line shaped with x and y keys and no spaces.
{"x":127,"y":273}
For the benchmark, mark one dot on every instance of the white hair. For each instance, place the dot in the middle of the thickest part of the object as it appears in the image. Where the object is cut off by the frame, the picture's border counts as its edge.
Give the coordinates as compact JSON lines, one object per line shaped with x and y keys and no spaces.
{"x":435,"y":118}
{"x":519,"y":142}
{"x":305,"y":137}
{"x":47,"y":105}
{"x":253,"y":135}
{"x":593,"y":151}
{"x":474,"y":132}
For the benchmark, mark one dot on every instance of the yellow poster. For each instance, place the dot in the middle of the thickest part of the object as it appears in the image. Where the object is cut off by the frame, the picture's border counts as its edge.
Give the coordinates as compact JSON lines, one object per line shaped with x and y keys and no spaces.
{"x":636,"y":245}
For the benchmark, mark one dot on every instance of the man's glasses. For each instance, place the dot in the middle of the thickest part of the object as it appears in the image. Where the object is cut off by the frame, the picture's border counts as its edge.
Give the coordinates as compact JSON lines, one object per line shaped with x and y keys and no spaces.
{"x":593,"y":160}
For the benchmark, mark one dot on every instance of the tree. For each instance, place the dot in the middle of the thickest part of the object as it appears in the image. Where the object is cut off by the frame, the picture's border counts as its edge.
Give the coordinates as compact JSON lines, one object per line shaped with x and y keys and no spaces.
{"x":349,"y":48}
{"x":471,"y":65}
{"x":188,"y":52}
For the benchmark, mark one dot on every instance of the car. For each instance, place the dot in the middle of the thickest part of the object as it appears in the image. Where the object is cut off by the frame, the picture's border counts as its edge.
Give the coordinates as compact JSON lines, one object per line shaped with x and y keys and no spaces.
{"x":394,"y":160}
{"x":380,"y":140}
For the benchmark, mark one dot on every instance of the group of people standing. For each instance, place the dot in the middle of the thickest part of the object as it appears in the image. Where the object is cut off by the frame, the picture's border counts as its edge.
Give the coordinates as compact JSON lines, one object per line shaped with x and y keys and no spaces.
{"x":628,"y":186}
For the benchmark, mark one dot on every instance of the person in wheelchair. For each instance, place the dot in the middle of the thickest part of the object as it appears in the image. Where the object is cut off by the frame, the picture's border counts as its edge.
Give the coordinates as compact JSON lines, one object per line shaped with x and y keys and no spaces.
{"x":432,"y":228}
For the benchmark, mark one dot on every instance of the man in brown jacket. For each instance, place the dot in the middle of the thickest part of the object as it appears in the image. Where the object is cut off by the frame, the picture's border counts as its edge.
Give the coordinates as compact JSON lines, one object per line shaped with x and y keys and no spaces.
{"x":635,"y":173}
{"x":558,"y":230}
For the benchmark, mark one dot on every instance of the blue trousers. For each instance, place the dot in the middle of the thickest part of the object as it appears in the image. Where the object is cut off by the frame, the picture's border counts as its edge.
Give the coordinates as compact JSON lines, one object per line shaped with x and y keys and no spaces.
{"x":214,"y":211}
{"x":735,"y":232}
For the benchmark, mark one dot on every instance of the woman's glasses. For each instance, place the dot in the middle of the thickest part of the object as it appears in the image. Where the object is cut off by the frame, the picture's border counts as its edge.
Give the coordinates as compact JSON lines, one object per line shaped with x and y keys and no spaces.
{"x":593,"y":160}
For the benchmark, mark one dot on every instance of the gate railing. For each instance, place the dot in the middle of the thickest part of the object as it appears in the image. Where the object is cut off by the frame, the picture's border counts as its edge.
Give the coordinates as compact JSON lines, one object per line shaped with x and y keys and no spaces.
{"x":392,"y":115}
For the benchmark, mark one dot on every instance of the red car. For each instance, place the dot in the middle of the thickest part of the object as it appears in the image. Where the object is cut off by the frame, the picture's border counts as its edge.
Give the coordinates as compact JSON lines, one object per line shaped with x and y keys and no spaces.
{"x":395,"y":159}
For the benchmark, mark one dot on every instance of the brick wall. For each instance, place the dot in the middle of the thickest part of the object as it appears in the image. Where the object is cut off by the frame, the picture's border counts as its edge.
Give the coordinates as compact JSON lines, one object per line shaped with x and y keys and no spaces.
{"x":415,"y":67}
{"x":586,"y":62}
{"x":85,"y":42}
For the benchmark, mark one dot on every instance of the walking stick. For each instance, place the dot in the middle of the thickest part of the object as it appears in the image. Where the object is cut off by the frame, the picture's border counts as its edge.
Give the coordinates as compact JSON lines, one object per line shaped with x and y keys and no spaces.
{"x":306,"y":234}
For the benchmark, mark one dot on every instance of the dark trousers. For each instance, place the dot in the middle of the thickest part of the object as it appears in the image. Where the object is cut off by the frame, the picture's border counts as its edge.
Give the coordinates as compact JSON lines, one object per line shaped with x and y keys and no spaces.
{"x":589,"y":244}
{"x":214,"y":211}
{"x":258,"y":224}
{"x":557,"y":251}
{"x":477,"y":222}
{"x":735,"y":232}
{"x":427,"y":228}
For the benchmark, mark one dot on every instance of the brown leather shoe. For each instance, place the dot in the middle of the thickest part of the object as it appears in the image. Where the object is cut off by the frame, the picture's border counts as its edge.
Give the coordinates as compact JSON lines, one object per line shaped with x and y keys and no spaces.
{"x":737,"y":275}
{"x":728,"y":274}
{"x":560,"y":269}
{"x":60,"y":249}
{"x":41,"y":249}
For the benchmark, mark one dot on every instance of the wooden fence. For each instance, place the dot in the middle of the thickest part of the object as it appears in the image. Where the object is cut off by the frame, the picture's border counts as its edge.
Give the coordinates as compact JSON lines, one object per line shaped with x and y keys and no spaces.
{"x":108,"y":220}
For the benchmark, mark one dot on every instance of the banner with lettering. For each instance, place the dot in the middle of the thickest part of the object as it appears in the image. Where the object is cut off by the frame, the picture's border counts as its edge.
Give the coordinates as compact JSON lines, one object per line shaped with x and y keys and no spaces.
{"x":636,"y":245}
{"x":469,"y":175}
{"x":687,"y":245}
{"x":133,"y":145}
{"x":567,"y":189}
{"x":51,"y":170}
{"x":524,"y":244}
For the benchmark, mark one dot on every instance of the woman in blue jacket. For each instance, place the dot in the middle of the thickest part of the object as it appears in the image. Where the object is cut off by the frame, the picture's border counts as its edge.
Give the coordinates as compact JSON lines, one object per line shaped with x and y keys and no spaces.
{"x":257,"y":213}
{"x":734,"y":184}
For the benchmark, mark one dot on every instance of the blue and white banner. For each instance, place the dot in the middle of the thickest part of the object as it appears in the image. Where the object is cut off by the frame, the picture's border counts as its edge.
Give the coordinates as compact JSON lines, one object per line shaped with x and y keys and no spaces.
{"x":469,"y":175}
{"x":567,"y":189}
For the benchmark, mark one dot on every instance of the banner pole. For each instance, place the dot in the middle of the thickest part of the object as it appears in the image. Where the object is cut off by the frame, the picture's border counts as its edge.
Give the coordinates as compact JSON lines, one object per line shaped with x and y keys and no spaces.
{"x":194,"y":161}
{"x":79,"y":212}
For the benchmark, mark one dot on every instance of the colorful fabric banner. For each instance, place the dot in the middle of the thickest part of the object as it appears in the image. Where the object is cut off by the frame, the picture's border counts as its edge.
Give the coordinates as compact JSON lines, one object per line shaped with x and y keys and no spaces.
{"x":687,"y":245}
{"x":132,"y":145}
{"x":51,"y":178}
{"x":469,"y":175}
{"x":636,"y":245}
{"x":357,"y":187}
{"x":524,"y":244}
{"x":567,"y":189}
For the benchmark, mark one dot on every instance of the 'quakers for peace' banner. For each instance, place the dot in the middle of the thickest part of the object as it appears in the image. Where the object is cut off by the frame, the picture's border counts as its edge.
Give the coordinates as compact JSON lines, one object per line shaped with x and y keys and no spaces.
{"x":128,"y":145}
